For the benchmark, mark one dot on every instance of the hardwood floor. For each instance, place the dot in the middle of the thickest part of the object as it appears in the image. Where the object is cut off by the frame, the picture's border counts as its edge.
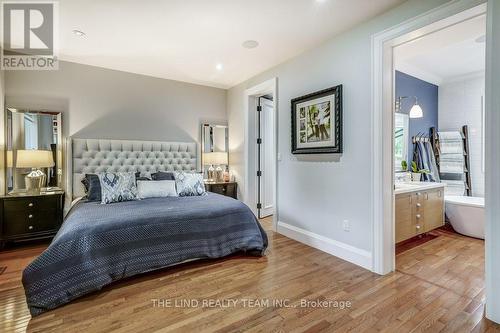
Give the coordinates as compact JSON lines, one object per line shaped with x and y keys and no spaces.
{"x":438,"y":287}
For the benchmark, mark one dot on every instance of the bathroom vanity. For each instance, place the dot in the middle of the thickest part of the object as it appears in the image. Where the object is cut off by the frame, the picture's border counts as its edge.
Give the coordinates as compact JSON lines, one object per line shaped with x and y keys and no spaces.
{"x":419,"y":208}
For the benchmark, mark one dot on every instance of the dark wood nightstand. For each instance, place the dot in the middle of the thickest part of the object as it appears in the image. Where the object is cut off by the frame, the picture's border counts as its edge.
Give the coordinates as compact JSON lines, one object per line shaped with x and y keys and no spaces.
{"x":25,"y":217}
{"x":228,"y":189}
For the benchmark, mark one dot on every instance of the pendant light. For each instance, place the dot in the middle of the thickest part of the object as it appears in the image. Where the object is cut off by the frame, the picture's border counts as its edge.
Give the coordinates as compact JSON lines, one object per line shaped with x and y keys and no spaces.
{"x":415,"y":111}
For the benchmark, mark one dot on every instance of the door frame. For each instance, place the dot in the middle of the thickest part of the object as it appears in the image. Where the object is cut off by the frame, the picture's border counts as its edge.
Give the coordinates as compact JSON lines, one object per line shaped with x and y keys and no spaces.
{"x":382,"y":164}
{"x":250,"y":162}
{"x":382,"y":138}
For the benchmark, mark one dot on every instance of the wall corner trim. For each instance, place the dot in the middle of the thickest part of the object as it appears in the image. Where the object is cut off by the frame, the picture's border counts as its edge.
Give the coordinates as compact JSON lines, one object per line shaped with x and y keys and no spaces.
{"x":344,"y":251}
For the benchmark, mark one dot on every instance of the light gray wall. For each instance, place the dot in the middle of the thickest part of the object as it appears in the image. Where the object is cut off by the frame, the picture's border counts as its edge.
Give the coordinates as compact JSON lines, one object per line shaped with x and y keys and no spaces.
{"x":317,"y":193}
{"x":109,"y":104}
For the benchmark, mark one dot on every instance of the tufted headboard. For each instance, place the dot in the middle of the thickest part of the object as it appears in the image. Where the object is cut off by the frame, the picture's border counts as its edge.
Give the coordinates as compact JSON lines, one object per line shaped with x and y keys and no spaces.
{"x":96,"y":155}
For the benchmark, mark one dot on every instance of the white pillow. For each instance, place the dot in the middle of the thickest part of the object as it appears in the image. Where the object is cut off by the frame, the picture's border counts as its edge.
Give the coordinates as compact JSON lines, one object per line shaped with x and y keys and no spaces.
{"x":156,"y":189}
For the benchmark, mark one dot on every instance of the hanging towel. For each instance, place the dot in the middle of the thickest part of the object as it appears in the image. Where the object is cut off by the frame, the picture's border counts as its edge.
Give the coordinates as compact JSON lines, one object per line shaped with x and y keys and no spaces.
{"x":449,"y":135}
{"x":423,"y":156}
{"x":452,"y":162}
{"x":433,"y":169}
{"x":452,"y":158}
{"x":451,"y":147}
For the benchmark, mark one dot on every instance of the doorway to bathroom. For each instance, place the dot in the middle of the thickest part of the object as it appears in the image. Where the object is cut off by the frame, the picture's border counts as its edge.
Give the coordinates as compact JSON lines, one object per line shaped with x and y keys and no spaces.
{"x":412,"y":62}
{"x":438,"y":155}
{"x":384,"y":258}
{"x":439,"y":82}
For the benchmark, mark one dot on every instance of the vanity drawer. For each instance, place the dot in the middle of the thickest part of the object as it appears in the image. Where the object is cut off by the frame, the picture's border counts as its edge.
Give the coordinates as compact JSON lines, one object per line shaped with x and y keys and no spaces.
{"x":419,"y":222}
{"x":419,"y":198}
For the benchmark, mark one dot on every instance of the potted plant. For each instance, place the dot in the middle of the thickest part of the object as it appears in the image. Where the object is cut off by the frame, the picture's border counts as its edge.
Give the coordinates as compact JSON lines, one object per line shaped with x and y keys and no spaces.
{"x":404,"y":165}
{"x":416,"y":174}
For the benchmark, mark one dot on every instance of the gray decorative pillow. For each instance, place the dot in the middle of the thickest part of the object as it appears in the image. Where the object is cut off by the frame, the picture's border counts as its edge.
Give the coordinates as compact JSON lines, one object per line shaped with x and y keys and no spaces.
{"x":189,"y":184}
{"x":117,"y":187}
{"x":160,"y":175}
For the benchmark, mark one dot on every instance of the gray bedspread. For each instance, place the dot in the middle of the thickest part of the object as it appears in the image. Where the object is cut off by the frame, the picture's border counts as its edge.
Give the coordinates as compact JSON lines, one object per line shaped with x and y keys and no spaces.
{"x":98,"y":244}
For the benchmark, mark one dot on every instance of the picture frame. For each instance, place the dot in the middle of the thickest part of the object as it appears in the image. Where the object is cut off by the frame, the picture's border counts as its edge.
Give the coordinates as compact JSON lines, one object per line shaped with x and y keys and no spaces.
{"x":317,"y":122}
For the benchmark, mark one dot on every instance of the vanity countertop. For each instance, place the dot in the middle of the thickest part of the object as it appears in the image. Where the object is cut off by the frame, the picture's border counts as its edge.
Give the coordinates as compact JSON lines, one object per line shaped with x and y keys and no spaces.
{"x":407,"y":187}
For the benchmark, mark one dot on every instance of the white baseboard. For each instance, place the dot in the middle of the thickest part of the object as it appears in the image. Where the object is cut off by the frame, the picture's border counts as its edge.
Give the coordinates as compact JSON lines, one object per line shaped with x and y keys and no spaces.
{"x":344,"y":251}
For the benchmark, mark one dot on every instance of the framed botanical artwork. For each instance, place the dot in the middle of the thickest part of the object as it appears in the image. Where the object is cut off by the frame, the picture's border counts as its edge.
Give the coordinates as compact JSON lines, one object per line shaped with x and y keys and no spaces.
{"x":317,"y":122}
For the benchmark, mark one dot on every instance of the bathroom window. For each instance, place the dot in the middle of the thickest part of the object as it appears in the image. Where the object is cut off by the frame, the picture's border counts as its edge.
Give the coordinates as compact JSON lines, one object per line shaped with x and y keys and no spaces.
{"x":401,"y":124}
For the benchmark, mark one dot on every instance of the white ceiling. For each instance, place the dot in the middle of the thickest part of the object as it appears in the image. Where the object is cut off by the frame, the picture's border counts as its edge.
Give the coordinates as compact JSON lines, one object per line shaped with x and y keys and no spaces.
{"x":185,"y":39}
{"x":446,"y":54}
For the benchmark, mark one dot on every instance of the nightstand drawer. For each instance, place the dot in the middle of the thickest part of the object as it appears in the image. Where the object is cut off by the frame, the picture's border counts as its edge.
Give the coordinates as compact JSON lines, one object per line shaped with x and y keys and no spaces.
{"x":29,"y":204}
{"x":224,"y":189}
{"x":19,"y":223}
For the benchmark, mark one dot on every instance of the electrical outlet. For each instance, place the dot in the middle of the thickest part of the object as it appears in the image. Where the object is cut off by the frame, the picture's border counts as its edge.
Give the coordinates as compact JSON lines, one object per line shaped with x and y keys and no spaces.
{"x":279,"y":157}
{"x":346,"y":225}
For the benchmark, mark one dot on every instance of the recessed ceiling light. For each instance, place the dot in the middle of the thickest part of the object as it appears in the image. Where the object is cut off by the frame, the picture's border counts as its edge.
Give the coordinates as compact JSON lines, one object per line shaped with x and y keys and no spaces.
{"x":250,"y":44}
{"x":78,"y":33}
{"x":219,"y":67}
{"x":481,"y":39}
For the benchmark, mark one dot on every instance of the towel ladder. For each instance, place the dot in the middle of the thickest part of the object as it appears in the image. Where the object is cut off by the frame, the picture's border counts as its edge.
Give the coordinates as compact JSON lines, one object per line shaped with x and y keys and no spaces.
{"x":464,"y":131}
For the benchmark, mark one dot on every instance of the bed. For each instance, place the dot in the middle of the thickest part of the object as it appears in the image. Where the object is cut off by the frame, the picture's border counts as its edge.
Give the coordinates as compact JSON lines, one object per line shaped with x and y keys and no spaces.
{"x":98,"y":244}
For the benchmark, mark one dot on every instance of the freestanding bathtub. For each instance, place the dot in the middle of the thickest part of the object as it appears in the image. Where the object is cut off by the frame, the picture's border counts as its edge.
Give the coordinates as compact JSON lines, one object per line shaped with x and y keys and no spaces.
{"x":466,"y":215}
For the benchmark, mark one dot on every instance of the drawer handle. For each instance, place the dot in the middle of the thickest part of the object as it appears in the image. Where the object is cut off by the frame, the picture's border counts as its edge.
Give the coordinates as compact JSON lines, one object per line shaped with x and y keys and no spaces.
{"x":418,"y":216}
{"x":418,"y":227}
{"x":30,"y":227}
{"x":419,"y":205}
{"x":30,"y":216}
{"x":30,"y":204}
{"x":419,"y":194}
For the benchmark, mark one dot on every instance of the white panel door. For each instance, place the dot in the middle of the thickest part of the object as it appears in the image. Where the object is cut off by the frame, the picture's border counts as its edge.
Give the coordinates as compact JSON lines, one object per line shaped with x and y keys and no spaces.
{"x":267,"y":158}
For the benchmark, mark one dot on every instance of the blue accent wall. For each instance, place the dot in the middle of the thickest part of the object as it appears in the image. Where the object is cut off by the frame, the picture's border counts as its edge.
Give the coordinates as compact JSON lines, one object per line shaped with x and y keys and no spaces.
{"x":427,"y":94}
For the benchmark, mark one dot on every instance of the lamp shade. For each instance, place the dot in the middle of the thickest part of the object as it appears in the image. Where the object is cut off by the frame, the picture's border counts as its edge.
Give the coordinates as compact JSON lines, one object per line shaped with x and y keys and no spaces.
{"x":416,"y":111}
{"x":34,"y":159}
{"x":216,"y":158}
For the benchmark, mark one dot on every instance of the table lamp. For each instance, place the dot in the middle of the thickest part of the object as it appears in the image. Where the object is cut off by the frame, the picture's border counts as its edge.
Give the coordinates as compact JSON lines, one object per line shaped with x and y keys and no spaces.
{"x":218,"y":159}
{"x":34,"y":159}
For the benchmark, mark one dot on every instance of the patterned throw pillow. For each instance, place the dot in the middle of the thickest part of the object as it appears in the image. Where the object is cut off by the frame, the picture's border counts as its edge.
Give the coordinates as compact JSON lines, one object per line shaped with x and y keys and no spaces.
{"x":189,"y":184}
{"x":117,"y":187}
